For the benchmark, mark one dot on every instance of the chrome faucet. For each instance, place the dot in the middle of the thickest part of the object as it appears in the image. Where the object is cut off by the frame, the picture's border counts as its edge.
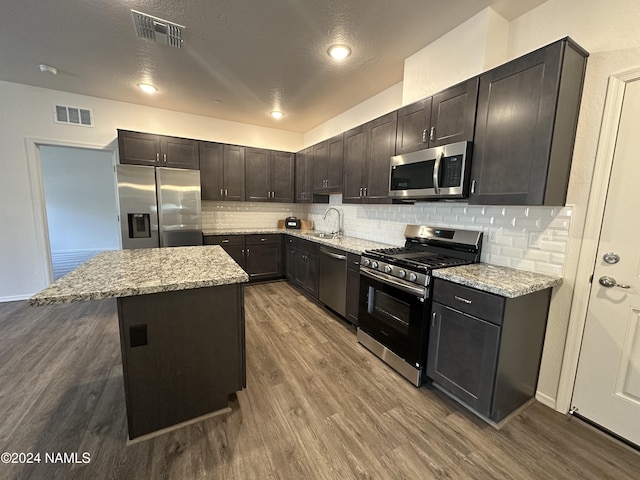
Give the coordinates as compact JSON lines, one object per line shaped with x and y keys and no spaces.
{"x":338,"y":231}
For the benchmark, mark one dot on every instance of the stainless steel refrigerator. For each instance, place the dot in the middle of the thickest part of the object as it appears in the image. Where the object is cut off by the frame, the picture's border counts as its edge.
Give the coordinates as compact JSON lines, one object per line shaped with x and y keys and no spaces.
{"x":159,"y":207}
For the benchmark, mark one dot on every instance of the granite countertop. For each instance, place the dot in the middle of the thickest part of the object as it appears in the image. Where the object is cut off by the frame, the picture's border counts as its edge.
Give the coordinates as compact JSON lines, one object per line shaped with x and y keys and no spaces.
{"x":504,"y":281}
{"x":125,"y":273}
{"x":348,"y":244}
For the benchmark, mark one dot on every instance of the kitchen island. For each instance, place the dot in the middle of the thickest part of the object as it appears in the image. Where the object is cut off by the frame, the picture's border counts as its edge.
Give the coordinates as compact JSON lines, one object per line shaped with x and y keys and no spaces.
{"x":181,"y":319}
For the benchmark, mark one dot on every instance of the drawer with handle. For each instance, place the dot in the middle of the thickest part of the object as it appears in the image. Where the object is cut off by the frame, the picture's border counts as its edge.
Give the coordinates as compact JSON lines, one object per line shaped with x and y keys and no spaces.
{"x":264,"y":239}
{"x":224,"y":240}
{"x":468,"y":300}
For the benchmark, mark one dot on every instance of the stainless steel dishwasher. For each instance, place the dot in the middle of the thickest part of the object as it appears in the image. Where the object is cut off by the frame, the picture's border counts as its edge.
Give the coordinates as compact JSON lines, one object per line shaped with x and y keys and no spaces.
{"x":333,"y":279}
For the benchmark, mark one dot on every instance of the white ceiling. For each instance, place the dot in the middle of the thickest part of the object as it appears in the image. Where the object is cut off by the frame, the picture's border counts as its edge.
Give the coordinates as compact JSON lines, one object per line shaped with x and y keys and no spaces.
{"x":240,"y":58}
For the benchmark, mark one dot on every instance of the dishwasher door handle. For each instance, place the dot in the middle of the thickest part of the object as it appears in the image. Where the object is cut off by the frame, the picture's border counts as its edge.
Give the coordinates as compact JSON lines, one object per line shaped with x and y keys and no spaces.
{"x":337,"y":256}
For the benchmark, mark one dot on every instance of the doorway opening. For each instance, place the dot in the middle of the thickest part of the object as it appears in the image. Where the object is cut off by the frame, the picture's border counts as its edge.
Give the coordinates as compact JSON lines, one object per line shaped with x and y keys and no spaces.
{"x":81,"y":207}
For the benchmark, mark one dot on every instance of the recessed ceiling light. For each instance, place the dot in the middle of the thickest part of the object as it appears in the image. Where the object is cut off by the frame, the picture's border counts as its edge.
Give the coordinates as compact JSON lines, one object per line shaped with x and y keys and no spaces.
{"x":147,"y":88}
{"x":339,"y":52}
{"x":48,"y":69}
{"x":277,"y":114}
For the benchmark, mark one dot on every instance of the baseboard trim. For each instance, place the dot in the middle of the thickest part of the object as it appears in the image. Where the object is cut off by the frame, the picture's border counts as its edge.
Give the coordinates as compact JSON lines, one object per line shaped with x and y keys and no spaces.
{"x":546,"y":400}
{"x":15,"y":298}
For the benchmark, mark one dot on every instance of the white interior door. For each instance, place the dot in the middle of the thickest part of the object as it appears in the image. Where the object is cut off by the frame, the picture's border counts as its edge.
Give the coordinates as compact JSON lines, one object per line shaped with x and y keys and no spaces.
{"x":607,"y":388}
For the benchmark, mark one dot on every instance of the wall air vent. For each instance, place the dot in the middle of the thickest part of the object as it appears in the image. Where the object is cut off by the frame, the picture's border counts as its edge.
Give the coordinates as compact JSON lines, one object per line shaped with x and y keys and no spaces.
{"x":157,"y":30}
{"x":73,"y":115}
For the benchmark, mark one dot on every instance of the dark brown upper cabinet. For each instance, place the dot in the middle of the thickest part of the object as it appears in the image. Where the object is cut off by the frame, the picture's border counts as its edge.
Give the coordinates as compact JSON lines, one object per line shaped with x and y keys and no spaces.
{"x":328,"y":157}
{"x":367,"y":150}
{"x":221,"y":172}
{"x":447,"y":117}
{"x":136,"y":148}
{"x":304,"y":176}
{"x":525,"y":127}
{"x":269,"y":175}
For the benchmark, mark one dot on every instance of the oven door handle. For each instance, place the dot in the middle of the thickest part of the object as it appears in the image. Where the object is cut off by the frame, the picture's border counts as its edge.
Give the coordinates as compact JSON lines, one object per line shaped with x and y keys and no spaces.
{"x":420,"y":292}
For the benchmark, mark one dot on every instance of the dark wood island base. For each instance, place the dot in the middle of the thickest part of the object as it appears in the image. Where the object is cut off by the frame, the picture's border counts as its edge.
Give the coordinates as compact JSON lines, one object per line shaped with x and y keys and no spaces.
{"x":182,"y":354}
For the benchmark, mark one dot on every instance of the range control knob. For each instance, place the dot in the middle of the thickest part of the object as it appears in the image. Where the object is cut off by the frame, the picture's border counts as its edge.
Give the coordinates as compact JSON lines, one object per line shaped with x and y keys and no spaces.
{"x":388,"y":269}
{"x":402,"y":274}
{"x":413,"y":277}
{"x":366,"y":262}
{"x":374,"y":264}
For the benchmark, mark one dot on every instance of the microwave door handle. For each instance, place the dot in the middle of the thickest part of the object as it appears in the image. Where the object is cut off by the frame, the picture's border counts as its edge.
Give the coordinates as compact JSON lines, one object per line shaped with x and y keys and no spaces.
{"x":436,"y":173}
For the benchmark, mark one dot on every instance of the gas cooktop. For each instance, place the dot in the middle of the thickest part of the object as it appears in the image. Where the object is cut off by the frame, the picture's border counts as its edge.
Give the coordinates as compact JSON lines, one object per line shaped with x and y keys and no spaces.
{"x":425,"y":248}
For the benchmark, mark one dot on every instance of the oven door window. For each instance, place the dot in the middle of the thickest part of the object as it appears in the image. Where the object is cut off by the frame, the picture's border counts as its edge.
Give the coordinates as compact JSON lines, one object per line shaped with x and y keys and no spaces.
{"x":397,"y":313}
{"x":394,"y":318}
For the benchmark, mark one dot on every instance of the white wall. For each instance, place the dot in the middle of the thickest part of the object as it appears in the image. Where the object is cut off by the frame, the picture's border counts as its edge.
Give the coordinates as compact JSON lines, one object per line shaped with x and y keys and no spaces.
{"x":27,"y":114}
{"x":476,"y":46}
{"x":80,"y":198}
{"x":385,"y":102}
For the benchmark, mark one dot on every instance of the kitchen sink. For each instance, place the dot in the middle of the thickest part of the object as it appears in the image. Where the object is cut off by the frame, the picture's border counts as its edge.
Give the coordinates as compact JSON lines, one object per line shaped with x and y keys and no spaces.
{"x":324,"y":235}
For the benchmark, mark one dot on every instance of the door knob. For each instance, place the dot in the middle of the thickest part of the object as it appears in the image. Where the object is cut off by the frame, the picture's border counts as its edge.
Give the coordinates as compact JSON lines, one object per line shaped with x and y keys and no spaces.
{"x":611,"y":282}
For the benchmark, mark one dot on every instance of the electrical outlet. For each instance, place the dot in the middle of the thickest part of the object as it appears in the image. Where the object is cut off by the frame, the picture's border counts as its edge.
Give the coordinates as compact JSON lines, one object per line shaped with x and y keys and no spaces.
{"x":492,"y":235}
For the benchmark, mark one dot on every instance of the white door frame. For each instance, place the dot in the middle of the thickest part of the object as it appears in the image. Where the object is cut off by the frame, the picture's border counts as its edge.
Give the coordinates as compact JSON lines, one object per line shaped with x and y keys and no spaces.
{"x":34,"y":167}
{"x":591,"y":234}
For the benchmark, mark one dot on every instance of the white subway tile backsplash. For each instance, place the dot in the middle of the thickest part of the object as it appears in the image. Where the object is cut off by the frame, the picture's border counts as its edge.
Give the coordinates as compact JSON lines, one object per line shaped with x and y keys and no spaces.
{"x":550,"y":246}
{"x":548,"y":269}
{"x":528,"y":238}
{"x":537,"y":256}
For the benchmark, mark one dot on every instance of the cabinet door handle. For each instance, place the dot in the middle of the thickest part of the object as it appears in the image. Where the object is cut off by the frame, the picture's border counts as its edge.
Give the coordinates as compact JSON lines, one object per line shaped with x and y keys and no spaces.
{"x":157,"y":158}
{"x":360,"y":195}
{"x":226,"y":192}
{"x":366,"y":191}
{"x":432,"y":134}
{"x":424,"y":136}
{"x":226,"y":240}
{"x":247,"y":252}
{"x":473,"y":187}
{"x":221,"y":193}
{"x":263,"y":239}
{"x":463,"y":300}
{"x":164,"y":158}
{"x":433,"y":319}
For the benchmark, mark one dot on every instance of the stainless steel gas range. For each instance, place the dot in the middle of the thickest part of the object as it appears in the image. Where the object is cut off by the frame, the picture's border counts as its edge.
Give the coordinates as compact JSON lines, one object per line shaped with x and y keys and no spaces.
{"x":395,"y":293}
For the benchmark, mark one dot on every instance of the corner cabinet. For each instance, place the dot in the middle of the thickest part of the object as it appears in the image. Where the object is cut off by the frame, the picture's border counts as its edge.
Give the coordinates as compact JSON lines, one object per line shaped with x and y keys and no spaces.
{"x":137,"y":148}
{"x":485,"y":349}
{"x":367,"y":150}
{"x":447,"y":117}
{"x":525,"y":127}
{"x":221,"y":171}
{"x":259,"y":255}
{"x":269,"y":176}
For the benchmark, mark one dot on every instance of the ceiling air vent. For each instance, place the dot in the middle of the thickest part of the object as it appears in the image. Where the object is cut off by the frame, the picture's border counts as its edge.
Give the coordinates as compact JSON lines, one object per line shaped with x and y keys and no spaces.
{"x":73,"y":115}
{"x":157,"y":30}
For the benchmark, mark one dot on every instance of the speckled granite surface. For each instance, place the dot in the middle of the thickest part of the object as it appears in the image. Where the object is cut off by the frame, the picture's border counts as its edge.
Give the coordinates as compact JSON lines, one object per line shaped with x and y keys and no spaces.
{"x":504,"y":281}
{"x":124,"y":273}
{"x":349,"y":244}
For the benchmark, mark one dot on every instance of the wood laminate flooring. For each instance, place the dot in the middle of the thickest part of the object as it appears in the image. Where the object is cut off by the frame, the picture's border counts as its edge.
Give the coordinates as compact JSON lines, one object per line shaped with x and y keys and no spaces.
{"x":317,"y":406}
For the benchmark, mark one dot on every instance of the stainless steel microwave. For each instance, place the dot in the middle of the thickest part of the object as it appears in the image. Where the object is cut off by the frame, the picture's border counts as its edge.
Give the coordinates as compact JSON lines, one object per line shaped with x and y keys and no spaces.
{"x":440,"y":172}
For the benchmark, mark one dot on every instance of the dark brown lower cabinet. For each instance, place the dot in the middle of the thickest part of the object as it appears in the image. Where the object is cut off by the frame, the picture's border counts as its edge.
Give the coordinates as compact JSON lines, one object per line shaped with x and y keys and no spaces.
{"x":263,"y":254}
{"x":485,"y":349}
{"x":259,"y":255}
{"x":232,"y":244}
{"x":353,"y":287}
{"x":307,"y":267}
{"x":181,"y":358}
